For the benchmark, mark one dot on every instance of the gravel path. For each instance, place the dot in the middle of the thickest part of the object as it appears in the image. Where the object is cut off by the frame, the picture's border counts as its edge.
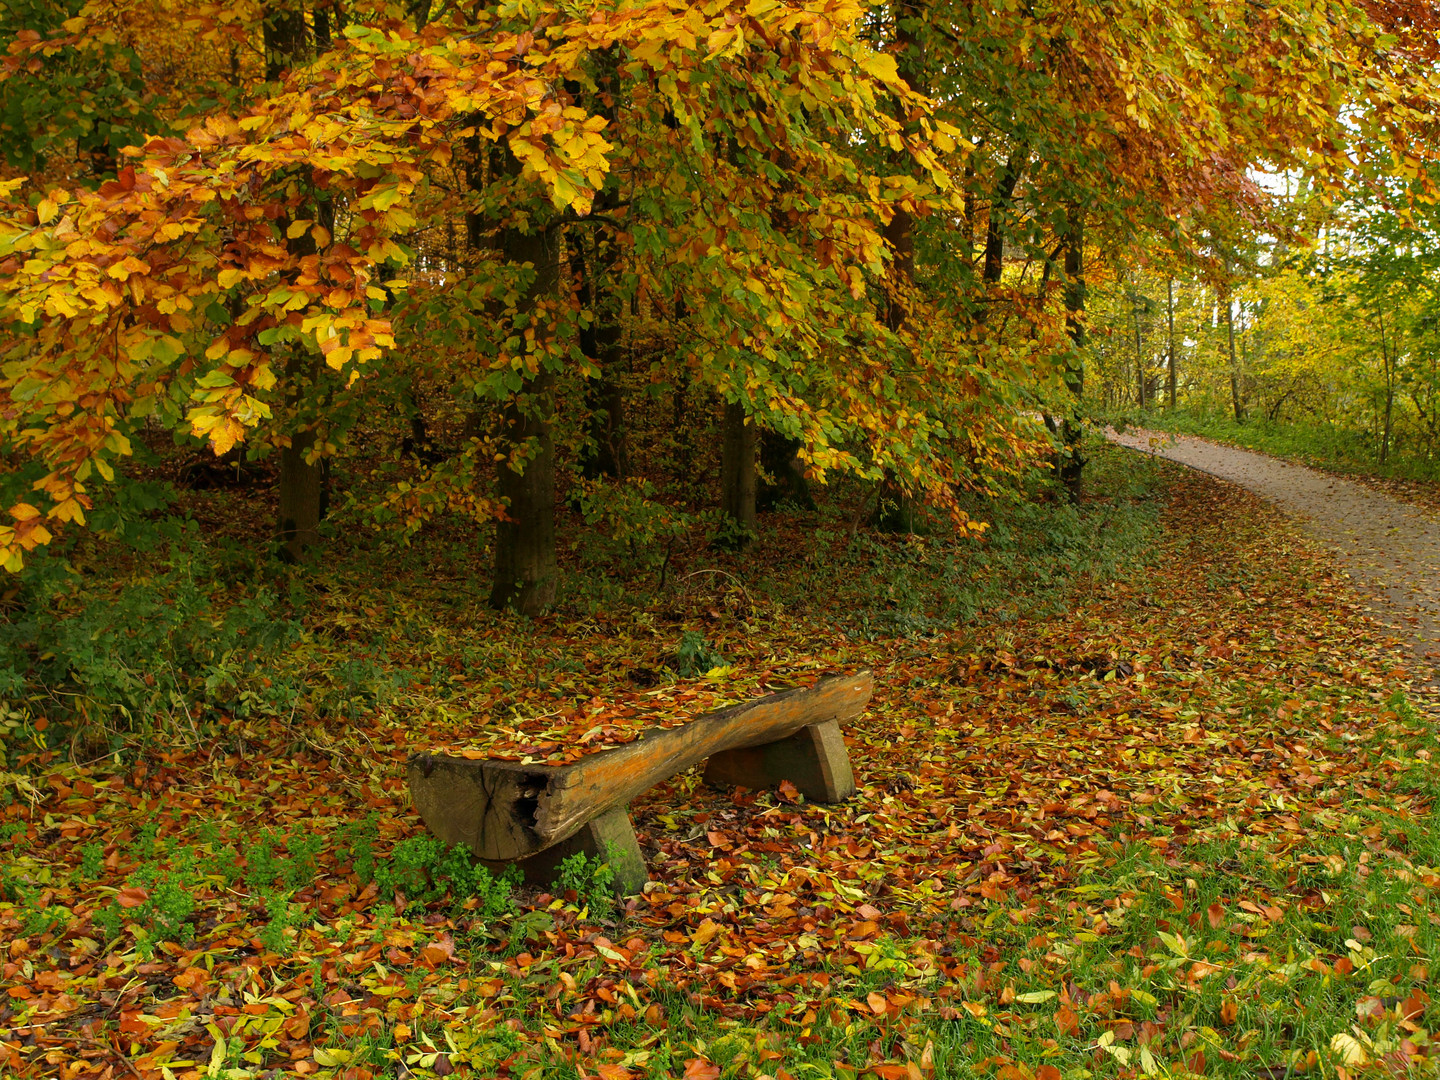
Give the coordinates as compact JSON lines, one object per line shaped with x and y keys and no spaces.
{"x":1391,"y":549}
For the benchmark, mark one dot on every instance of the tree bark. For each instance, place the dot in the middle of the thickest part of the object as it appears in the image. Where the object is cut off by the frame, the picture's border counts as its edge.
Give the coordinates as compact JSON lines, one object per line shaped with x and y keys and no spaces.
{"x":1235,"y":400}
{"x":525,"y":564}
{"x":1139,"y":356}
{"x":1072,"y":461}
{"x":301,"y":488}
{"x":994,"y":267}
{"x":1385,"y":359}
{"x":1170,"y":378}
{"x":301,"y":493}
{"x":737,"y":470}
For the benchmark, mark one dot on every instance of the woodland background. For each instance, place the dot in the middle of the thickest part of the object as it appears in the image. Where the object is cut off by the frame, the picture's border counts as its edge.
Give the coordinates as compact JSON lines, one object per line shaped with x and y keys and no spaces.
{"x":377,"y":377}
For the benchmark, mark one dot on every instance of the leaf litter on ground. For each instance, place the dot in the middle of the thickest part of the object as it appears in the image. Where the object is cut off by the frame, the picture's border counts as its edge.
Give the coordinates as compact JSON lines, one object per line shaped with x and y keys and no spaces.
{"x":1183,"y":827}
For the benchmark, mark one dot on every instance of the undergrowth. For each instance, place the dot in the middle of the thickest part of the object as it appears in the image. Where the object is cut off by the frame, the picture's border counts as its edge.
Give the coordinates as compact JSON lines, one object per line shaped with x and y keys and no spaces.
{"x":169,"y":636}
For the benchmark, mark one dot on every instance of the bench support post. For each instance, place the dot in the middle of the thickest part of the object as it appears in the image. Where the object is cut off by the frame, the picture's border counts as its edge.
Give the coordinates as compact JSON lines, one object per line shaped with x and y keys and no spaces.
{"x":608,"y":838}
{"x":814,"y":759}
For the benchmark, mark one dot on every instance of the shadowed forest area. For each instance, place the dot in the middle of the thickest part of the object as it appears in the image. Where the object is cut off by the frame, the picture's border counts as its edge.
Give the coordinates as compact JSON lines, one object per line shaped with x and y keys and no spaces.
{"x":394,"y":390}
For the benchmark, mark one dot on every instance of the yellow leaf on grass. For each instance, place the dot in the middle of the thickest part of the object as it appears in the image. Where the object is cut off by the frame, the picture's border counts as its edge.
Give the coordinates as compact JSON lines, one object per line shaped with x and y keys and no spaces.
{"x":1349,"y":1049}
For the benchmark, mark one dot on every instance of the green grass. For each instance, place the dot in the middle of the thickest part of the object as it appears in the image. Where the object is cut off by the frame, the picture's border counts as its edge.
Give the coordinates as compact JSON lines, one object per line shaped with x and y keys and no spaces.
{"x":1324,"y":446}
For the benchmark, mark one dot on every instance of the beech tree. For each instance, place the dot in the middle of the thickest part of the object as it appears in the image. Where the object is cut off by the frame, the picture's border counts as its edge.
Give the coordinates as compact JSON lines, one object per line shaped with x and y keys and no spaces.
{"x":870,"y":231}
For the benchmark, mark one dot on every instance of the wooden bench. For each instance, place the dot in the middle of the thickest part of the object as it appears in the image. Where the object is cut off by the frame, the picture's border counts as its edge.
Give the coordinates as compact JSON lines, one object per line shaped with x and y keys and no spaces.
{"x":537,"y":815}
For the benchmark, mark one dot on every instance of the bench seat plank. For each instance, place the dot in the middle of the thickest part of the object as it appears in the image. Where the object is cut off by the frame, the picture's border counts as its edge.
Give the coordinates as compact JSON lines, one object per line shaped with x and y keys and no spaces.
{"x":506,"y":811}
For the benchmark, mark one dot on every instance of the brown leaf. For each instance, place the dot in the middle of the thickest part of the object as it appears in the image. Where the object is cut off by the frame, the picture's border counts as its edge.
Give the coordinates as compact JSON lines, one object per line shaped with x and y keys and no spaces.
{"x":132,"y":896}
{"x":1067,"y":1021}
{"x":1215,"y":914}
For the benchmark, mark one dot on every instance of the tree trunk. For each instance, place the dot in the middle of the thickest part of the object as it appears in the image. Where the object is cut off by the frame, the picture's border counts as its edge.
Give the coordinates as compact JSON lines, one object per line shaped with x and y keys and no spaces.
{"x":737,"y":471}
{"x":301,"y":491}
{"x":1072,"y":461}
{"x":525,"y":563}
{"x":1385,"y":354}
{"x":1235,"y":401}
{"x":301,"y":487}
{"x":1170,"y":377}
{"x":604,"y":453}
{"x":994,"y":267}
{"x":286,"y":38}
{"x":1139,"y":357}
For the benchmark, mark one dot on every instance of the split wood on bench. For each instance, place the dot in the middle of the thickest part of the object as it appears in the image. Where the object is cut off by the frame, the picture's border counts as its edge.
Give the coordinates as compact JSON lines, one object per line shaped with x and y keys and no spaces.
{"x":537,"y":815}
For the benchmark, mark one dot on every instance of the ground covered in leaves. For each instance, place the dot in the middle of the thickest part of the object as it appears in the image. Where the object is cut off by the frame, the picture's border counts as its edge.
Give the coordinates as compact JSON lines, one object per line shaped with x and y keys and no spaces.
{"x":1168,"y":814}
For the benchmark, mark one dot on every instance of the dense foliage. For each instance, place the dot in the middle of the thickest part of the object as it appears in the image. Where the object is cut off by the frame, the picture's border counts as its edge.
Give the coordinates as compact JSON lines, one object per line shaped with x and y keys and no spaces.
{"x":488,"y":237}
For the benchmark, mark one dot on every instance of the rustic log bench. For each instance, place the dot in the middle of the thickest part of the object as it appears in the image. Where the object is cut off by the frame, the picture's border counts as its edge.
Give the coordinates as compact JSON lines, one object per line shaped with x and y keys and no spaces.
{"x":537,"y":815}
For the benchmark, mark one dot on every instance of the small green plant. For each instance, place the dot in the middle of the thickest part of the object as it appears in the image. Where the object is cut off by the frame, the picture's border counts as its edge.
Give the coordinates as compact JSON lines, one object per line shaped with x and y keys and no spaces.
{"x":302,"y":866}
{"x":590,"y":879}
{"x":43,"y":920}
{"x":224,"y":863}
{"x":356,"y":842}
{"x":166,"y":913}
{"x":92,"y":861}
{"x":284,"y":917}
{"x":145,"y":843}
{"x":109,"y":921}
{"x":696,"y":656}
{"x":732,"y":534}
{"x":422,"y":869}
{"x":262,"y":865}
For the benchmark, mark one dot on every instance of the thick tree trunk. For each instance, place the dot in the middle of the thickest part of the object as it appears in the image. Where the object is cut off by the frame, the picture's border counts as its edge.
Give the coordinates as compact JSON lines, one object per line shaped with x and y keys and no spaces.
{"x":737,"y":469}
{"x":1170,"y":377}
{"x":1072,"y":461}
{"x":525,"y":563}
{"x":301,"y":487}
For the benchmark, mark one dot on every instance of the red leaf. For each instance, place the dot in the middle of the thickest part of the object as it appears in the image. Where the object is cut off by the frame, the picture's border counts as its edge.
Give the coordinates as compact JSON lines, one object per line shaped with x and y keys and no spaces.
{"x":132,"y":896}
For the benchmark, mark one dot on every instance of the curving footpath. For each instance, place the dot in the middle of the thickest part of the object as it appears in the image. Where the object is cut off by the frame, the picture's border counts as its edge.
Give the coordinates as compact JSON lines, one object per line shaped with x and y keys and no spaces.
{"x":1391,"y":549}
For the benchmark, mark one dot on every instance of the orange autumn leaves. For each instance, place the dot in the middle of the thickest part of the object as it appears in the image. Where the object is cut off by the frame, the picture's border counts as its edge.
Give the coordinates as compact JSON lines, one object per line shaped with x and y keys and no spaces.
{"x":176,"y":290}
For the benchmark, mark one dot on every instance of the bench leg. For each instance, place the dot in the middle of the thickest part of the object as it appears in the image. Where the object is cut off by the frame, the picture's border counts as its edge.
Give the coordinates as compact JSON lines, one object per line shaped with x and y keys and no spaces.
{"x":609,"y":838}
{"x":814,"y":759}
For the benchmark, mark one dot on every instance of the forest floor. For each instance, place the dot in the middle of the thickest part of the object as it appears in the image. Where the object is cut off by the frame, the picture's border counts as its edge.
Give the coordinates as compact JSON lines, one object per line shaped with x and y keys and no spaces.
{"x":1391,"y":547}
{"x":1173,"y":815}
